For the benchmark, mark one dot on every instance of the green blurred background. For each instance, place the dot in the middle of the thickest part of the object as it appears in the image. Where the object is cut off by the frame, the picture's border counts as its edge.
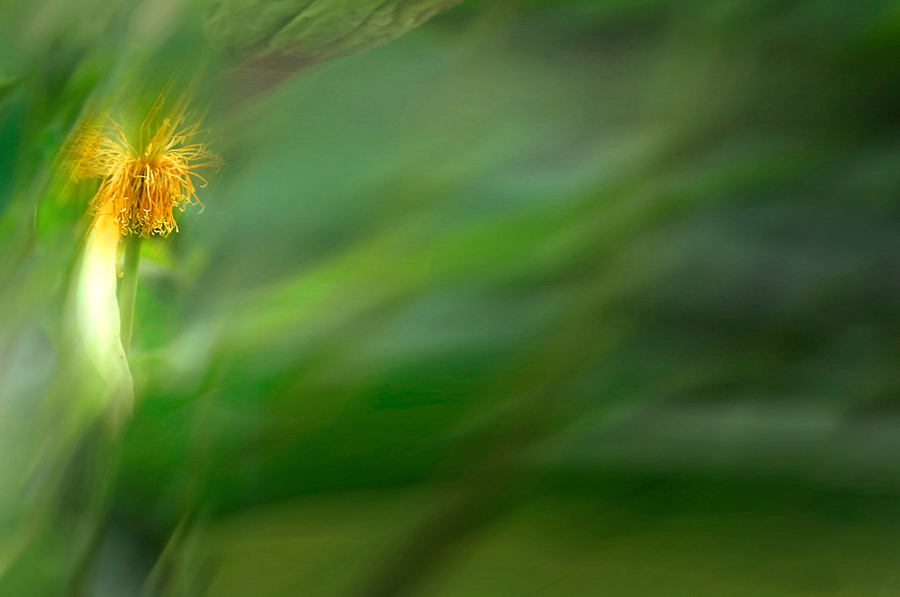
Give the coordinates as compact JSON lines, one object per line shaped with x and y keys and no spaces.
{"x":541,"y":298}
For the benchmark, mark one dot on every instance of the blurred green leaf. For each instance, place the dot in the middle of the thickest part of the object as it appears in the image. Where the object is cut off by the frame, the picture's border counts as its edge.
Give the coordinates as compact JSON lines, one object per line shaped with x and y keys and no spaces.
{"x":313,"y":30}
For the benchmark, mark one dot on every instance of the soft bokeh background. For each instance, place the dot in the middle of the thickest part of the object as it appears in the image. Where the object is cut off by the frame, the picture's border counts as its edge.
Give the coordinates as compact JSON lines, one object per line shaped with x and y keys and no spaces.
{"x":542,"y":298}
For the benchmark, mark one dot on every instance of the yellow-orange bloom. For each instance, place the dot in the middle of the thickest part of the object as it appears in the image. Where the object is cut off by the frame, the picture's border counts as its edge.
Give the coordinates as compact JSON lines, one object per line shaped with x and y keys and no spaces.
{"x":143,"y":182}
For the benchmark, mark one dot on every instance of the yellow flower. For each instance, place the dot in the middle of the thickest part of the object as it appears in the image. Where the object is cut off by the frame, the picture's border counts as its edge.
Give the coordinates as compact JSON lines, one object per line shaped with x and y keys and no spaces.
{"x":144,"y":181}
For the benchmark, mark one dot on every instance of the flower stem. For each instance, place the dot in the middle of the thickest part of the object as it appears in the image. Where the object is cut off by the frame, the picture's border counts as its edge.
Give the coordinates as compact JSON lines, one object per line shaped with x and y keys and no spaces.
{"x":128,"y":288}
{"x":110,"y":451}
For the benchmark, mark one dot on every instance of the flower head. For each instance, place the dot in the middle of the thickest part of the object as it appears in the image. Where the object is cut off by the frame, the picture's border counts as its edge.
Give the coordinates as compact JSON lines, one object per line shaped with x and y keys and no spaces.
{"x":142,"y":182}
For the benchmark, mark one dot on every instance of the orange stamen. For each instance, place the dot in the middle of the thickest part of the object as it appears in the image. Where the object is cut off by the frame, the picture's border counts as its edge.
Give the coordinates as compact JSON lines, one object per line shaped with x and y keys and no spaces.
{"x":142,"y":185}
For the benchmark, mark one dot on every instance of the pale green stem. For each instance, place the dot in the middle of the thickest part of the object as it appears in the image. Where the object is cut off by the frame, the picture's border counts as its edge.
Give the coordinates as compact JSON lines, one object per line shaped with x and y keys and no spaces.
{"x":100,"y":503}
{"x":128,"y":287}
